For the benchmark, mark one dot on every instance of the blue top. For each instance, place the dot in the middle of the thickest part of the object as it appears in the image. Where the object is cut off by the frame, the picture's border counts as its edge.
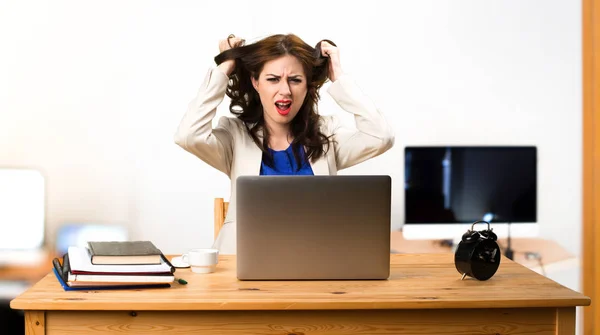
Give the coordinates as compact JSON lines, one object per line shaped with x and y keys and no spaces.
{"x":284,"y":163}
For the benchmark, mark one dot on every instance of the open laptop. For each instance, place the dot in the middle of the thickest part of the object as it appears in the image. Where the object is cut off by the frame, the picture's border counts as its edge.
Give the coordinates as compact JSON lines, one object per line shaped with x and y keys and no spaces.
{"x":313,"y":227}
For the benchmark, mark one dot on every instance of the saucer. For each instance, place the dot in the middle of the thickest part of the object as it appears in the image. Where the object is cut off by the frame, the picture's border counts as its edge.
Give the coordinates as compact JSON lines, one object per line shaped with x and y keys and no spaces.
{"x":179,"y":263}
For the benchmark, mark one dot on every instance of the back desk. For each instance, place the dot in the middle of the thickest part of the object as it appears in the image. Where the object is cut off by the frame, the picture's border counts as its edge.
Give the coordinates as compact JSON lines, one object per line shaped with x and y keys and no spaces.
{"x":424,"y":295}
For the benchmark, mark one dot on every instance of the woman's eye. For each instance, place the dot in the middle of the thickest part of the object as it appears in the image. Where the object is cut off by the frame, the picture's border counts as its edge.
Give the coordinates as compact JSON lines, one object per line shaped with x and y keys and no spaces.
{"x":272,"y":79}
{"x":297,"y":80}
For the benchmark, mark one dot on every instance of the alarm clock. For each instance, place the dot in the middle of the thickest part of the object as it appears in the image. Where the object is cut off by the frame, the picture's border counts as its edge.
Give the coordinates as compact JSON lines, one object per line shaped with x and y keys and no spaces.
{"x":478,"y":253}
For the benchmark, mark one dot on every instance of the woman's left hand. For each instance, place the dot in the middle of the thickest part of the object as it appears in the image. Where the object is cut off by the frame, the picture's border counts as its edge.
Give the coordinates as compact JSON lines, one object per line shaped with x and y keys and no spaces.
{"x":335,"y":67}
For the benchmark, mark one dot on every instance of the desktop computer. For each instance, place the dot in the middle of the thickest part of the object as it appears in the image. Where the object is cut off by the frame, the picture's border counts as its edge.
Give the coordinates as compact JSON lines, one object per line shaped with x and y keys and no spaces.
{"x":447,"y":188}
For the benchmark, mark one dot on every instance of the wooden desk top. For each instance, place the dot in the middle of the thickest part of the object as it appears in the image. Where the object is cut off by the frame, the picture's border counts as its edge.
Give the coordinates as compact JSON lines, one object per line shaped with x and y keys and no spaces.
{"x":417,"y":281}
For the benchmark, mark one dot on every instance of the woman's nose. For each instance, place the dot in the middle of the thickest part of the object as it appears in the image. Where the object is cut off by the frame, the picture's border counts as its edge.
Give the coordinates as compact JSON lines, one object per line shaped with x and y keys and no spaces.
{"x":284,"y":88}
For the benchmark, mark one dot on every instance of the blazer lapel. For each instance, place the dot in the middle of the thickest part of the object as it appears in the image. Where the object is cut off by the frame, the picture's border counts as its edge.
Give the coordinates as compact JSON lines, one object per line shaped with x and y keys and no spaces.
{"x":250,"y":157}
{"x":255,"y":158}
{"x":320,"y":167}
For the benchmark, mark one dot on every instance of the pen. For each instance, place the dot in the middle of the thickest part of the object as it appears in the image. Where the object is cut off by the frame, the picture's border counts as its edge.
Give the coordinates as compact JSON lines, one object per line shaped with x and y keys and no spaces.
{"x":181,"y":281}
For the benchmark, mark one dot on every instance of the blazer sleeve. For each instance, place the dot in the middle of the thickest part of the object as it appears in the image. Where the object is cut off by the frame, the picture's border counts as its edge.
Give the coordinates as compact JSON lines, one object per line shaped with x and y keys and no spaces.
{"x":195,"y":133}
{"x":373,"y":134}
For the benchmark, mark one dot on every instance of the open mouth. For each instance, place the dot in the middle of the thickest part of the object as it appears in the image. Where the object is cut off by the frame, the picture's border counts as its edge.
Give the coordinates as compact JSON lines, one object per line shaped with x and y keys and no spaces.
{"x":283,"y":106}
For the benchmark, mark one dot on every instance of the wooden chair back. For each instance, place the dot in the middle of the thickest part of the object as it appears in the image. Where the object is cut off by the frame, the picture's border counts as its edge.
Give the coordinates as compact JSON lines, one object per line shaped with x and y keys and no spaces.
{"x":221,"y":207}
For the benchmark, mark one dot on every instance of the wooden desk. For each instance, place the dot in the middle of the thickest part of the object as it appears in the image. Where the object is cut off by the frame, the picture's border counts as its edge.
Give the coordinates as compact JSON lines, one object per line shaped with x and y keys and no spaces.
{"x":15,"y":278}
{"x":30,"y":272}
{"x":424,"y":295}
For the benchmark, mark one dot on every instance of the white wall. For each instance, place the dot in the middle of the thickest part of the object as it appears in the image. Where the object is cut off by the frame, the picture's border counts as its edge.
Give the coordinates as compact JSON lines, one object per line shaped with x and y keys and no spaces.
{"x":92,"y":92}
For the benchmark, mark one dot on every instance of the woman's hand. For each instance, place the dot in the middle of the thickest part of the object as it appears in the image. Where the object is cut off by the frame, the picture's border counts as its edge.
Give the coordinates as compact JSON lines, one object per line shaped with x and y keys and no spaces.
{"x":335,"y":67}
{"x":230,"y":42}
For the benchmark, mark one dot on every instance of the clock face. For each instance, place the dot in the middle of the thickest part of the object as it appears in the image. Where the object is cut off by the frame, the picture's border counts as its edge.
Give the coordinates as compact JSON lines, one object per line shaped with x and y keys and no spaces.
{"x":485,"y":259}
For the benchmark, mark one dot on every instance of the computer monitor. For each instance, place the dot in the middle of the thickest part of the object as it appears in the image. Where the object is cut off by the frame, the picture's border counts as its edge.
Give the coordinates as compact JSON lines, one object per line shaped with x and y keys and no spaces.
{"x":447,"y":188}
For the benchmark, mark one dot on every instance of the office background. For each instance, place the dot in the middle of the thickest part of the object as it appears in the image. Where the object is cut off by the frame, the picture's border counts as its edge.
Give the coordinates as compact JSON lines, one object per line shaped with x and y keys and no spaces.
{"x":92,"y":92}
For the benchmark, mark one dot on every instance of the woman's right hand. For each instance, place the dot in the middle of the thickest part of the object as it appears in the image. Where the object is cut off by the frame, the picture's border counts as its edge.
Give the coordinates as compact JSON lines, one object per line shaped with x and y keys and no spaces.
{"x":230,"y":42}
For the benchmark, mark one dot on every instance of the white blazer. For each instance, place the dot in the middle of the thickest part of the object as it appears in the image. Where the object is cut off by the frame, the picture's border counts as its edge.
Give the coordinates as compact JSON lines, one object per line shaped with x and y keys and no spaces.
{"x":230,"y":149}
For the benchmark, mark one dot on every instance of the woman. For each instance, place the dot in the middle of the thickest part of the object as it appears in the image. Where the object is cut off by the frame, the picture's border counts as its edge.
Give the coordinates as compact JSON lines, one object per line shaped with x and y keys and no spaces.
{"x":274,"y":89}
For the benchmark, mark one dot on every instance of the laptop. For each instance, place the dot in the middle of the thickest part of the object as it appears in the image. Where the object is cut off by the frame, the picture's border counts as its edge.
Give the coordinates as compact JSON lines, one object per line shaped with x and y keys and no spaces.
{"x":313,"y":227}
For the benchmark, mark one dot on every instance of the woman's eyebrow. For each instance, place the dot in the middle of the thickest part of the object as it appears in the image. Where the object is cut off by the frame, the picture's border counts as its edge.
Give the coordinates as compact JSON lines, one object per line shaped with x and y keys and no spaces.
{"x":295,"y":76}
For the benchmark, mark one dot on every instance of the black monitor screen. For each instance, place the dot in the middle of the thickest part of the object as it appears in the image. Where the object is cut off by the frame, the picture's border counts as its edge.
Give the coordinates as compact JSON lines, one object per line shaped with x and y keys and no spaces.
{"x":463,"y":184}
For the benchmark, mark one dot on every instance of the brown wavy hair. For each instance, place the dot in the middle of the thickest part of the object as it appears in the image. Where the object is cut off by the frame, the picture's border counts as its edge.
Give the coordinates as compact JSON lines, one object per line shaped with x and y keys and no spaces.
{"x":245,"y":101}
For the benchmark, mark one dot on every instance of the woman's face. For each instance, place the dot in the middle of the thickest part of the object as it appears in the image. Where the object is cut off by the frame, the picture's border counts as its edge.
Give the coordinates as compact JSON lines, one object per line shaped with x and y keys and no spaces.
{"x":282,"y":88}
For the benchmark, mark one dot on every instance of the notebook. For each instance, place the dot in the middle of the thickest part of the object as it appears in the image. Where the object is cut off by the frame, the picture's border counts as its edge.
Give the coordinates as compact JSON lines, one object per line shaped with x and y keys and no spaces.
{"x":80,"y":263}
{"x":124,"y":252}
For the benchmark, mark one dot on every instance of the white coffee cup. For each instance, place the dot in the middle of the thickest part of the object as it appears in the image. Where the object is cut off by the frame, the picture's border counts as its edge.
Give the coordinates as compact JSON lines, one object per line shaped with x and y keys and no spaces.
{"x":202,"y":260}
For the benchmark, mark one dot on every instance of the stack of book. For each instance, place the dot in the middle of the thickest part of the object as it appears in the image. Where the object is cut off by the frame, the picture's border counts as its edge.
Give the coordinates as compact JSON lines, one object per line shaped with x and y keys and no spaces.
{"x":114,"y":265}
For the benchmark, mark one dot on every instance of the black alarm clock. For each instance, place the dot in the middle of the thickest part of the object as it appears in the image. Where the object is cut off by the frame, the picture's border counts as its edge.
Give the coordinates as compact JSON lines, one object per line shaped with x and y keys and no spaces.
{"x":478,"y":253}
